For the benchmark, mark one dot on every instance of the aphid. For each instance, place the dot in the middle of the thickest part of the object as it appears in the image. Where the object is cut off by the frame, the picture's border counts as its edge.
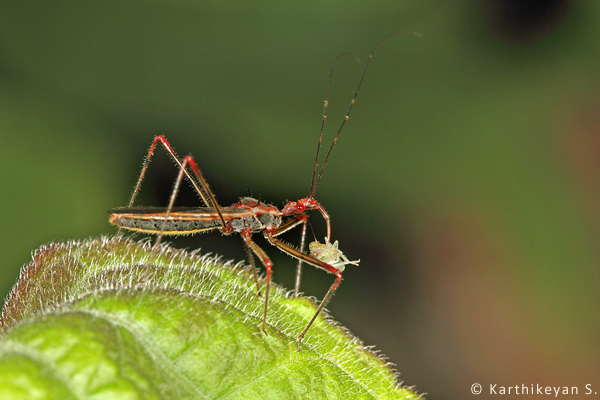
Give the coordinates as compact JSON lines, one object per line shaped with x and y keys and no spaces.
{"x":247,"y":217}
{"x":330,"y":254}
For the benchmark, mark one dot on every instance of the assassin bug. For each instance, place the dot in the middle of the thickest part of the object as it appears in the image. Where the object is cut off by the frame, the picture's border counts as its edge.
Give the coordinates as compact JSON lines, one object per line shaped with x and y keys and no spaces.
{"x":246,"y":217}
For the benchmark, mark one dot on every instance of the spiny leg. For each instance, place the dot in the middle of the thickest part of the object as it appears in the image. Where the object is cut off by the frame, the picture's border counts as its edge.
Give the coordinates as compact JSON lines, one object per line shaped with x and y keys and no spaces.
{"x":251,"y":258}
{"x":246,"y":235}
{"x":188,"y":160}
{"x":338,"y":279}
{"x":299,"y":219}
{"x":299,"y":267}
{"x":203,"y":189}
{"x":312,"y":261}
{"x":291,"y":224}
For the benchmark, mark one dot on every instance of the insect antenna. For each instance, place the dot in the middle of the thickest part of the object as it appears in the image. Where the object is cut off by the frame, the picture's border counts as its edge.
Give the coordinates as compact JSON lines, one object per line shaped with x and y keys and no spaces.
{"x":314,"y":185}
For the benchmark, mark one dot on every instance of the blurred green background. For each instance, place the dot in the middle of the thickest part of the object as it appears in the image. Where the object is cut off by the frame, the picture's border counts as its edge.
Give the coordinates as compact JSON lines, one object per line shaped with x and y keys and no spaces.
{"x":467,"y":179}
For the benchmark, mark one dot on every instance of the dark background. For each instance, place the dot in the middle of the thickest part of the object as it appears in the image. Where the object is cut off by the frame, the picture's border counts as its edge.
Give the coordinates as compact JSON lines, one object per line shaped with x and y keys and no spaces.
{"x":467,"y":179}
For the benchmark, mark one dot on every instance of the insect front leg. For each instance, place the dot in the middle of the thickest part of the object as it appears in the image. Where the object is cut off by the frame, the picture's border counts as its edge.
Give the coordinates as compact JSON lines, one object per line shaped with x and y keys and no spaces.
{"x":312,"y":261}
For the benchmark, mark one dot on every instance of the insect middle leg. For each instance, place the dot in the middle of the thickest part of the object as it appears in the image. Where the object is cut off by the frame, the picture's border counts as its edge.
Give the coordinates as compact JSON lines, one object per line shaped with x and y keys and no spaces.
{"x":251,"y":245}
{"x":247,"y":236}
{"x":299,"y":266}
{"x":299,"y":219}
{"x":253,"y":265}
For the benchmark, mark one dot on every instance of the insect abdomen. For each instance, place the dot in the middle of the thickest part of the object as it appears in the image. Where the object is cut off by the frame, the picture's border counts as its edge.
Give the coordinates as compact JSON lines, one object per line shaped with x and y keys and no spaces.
{"x":155,"y":224}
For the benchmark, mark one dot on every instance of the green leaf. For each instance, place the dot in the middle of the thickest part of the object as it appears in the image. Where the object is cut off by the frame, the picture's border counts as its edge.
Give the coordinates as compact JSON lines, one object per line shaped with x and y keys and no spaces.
{"x":115,"y":319}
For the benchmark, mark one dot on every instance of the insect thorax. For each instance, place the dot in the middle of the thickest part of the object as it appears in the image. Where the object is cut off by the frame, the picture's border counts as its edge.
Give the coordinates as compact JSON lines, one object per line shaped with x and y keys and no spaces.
{"x":265,"y":216}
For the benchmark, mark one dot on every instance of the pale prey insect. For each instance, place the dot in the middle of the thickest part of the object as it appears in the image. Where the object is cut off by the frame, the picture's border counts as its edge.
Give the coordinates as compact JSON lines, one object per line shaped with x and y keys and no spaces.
{"x":330,"y":254}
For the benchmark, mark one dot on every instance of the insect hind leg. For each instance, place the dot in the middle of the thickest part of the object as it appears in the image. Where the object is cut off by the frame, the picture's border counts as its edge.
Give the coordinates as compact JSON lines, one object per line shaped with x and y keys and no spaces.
{"x":198,"y":182}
